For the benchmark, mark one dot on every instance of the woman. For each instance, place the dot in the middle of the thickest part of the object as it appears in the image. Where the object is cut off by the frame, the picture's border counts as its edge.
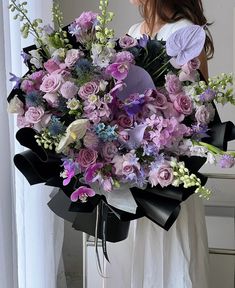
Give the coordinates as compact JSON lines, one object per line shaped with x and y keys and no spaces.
{"x":152,"y":257}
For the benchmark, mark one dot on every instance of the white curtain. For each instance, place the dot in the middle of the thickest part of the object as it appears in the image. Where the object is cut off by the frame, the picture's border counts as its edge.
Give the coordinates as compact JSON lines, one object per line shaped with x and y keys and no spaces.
{"x":37,"y":233}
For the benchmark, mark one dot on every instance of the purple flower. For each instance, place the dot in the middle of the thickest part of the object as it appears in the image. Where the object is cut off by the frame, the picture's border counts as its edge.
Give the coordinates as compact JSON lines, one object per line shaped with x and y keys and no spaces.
{"x":15,"y":79}
{"x":91,"y":172}
{"x":227,"y":161}
{"x":118,"y":71}
{"x":48,"y":29}
{"x":173,"y":84}
{"x":199,"y":131}
{"x":34,"y":114}
{"x":183,"y":104}
{"x":87,"y":89}
{"x":82,"y":193}
{"x":124,"y":56}
{"x":205,"y":114}
{"x":69,"y":171}
{"x":86,"y":20}
{"x":26,"y":57}
{"x":162,"y":176}
{"x":109,"y":150}
{"x":208,"y":95}
{"x":134,"y":104}
{"x":143,"y":41}
{"x":127,"y":42}
{"x":68,"y":90}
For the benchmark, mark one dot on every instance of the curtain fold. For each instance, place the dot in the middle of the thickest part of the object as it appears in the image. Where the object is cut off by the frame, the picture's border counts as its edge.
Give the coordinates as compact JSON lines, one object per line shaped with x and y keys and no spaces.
{"x":31,"y":235}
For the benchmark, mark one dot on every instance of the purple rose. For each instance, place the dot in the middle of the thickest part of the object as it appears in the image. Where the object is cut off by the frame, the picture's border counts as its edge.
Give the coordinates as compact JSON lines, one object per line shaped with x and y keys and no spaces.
{"x":87,"y":157}
{"x":205,"y":114}
{"x":72,"y":56}
{"x":118,"y":71}
{"x":127,"y":42}
{"x":109,"y":150}
{"x":188,"y":70}
{"x":51,"y":83}
{"x":227,"y":161}
{"x":51,"y":66}
{"x":68,"y":90}
{"x":125,"y":121}
{"x":124,"y":56}
{"x":27,"y":86}
{"x":183,"y":104}
{"x":165,"y":175}
{"x":159,"y":100}
{"x":173,"y":84}
{"x":91,"y":141}
{"x":88,"y":89}
{"x":34,"y":114}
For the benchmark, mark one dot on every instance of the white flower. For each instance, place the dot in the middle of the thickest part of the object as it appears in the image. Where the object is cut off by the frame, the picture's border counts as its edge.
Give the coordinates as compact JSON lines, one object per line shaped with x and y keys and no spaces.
{"x":16,"y":106}
{"x":73,"y":104}
{"x":198,"y":151}
{"x":36,"y":59}
{"x":210,"y":159}
{"x":103,"y":84}
{"x":59,"y":53}
{"x":74,"y":132}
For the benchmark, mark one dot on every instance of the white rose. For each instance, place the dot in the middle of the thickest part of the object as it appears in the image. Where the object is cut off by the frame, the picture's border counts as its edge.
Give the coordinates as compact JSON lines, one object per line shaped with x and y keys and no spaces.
{"x":74,"y":132}
{"x":16,"y":106}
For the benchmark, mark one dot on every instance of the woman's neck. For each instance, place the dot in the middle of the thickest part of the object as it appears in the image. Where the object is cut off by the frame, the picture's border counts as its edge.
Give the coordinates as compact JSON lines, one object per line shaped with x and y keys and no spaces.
{"x":157,"y":26}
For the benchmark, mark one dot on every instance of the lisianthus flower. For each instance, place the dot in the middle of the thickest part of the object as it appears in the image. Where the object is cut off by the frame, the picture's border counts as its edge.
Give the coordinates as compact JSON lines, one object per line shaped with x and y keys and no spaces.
{"x":82,"y":193}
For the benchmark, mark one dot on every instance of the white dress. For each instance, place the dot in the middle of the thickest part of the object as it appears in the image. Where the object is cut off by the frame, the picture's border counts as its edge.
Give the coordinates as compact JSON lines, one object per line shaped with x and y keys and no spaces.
{"x":153,"y":258}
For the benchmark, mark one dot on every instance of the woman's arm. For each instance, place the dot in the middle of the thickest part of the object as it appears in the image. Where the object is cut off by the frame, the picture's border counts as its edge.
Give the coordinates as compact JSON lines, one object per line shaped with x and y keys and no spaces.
{"x":204,"y":65}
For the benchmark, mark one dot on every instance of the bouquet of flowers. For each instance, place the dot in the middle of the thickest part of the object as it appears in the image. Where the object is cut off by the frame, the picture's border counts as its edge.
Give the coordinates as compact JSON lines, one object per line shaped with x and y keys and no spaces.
{"x":122,"y":126}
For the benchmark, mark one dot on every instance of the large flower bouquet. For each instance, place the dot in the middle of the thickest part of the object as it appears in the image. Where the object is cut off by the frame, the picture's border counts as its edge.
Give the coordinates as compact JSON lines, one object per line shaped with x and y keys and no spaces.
{"x":122,"y":126}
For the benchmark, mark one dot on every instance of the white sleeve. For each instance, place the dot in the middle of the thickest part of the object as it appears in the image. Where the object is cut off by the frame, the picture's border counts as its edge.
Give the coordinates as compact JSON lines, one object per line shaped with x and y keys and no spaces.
{"x":134,"y":30}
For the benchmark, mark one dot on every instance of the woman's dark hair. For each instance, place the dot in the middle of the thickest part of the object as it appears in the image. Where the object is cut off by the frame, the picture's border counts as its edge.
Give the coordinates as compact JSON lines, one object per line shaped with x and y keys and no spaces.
{"x":170,"y":11}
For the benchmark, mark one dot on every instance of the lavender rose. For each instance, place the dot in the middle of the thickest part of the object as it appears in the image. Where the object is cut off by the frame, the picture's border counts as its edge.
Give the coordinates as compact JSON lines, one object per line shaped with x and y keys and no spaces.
{"x":109,"y":150}
{"x":91,"y":141}
{"x":173,"y":84}
{"x":86,"y":20}
{"x":127,"y":42}
{"x":22,"y":122}
{"x":68,"y":90}
{"x":88,"y":89}
{"x":125,"y":121}
{"x":51,"y":83}
{"x":160,"y":101}
{"x":34,"y":114}
{"x":205,"y":114}
{"x":183,"y":104}
{"x":87,"y":157}
{"x":165,"y":175}
{"x":72,"y":56}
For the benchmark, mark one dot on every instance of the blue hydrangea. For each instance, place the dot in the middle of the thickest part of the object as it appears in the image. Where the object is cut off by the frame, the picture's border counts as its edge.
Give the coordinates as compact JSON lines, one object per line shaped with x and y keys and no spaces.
{"x":106,"y":133}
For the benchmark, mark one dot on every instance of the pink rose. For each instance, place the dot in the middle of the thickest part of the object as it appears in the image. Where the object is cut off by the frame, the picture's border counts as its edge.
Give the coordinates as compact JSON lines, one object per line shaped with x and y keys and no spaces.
{"x":52,"y":99}
{"x":173,"y":84}
{"x":125,"y":121}
{"x":87,"y":157}
{"x":22,"y":122}
{"x":34,"y":114}
{"x":88,"y":89}
{"x":51,"y":83}
{"x":124,"y":56}
{"x":183,"y":104}
{"x":205,"y":114}
{"x":51,"y":66}
{"x":68,"y":90}
{"x":72,"y":56}
{"x":172,"y":112}
{"x":109,"y":150}
{"x":127,"y":168}
{"x":91,"y":141}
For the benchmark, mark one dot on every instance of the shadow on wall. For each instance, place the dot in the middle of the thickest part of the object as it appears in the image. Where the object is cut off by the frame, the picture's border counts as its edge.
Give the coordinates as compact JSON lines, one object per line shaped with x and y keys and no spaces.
{"x":125,"y":13}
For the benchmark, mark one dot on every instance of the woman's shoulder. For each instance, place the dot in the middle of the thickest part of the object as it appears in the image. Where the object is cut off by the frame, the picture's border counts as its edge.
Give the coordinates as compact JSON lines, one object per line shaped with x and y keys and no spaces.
{"x":170,"y":28}
{"x":134,"y":30}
